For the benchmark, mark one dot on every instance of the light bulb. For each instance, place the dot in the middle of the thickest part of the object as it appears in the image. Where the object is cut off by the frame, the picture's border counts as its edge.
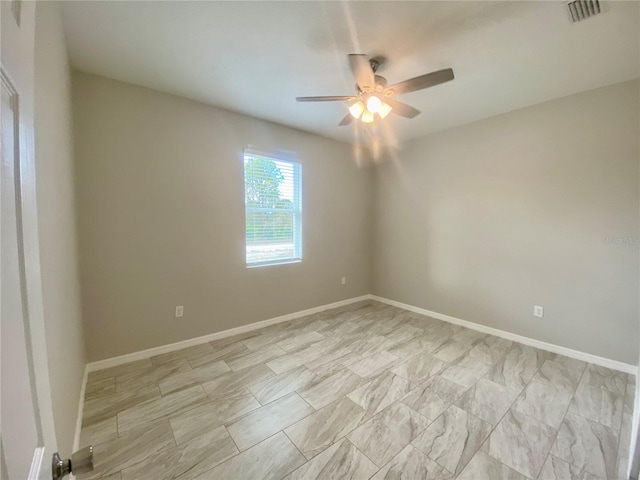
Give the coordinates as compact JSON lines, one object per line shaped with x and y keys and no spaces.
{"x":356,"y":109}
{"x":373,"y":104}
{"x":384,"y":110}
{"x":367,"y":117}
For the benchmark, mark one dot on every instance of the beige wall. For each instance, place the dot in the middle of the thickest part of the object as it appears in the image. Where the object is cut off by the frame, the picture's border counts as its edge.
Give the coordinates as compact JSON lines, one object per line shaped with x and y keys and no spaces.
{"x":484,"y":221}
{"x":56,"y":222}
{"x":161,"y":219}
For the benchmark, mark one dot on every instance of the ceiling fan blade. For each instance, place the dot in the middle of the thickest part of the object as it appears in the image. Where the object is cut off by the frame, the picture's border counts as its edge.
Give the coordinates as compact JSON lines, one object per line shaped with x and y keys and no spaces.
{"x":362,"y":71}
{"x":325,"y":99}
{"x":402,"y":109}
{"x":423,"y":81}
{"x":346,"y":120}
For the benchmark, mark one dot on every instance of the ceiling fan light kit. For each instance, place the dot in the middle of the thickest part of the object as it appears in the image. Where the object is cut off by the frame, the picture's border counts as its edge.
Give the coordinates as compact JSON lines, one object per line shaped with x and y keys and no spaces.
{"x":367,"y":114}
{"x":384,"y":110}
{"x":367,"y":117}
{"x":371,"y":87}
{"x":356,"y":109}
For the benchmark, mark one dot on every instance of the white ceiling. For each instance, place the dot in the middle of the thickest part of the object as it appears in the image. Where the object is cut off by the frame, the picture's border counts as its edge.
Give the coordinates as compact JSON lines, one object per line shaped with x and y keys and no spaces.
{"x":256,"y":57}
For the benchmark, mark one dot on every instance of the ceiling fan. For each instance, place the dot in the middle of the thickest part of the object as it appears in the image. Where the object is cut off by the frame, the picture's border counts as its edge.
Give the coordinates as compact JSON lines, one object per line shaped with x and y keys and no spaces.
{"x":372,"y":94}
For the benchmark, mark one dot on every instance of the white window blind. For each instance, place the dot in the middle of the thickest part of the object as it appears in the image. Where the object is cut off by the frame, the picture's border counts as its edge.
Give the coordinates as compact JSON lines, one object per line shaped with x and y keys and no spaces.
{"x":273,"y":210}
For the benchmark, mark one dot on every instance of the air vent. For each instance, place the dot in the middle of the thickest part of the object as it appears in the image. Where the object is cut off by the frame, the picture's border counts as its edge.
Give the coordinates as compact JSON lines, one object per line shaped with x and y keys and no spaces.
{"x":583,"y":9}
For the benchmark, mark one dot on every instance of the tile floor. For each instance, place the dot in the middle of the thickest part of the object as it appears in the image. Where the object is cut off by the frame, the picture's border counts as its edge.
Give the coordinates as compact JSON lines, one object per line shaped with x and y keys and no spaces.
{"x":364,"y":391}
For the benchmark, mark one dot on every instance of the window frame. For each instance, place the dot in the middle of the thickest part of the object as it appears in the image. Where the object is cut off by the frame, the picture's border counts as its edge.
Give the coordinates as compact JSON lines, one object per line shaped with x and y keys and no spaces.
{"x":296,"y":210}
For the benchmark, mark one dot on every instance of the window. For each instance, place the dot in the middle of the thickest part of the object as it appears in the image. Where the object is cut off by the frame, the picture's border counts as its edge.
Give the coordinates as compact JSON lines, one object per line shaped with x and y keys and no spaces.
{"x":272,"y":209}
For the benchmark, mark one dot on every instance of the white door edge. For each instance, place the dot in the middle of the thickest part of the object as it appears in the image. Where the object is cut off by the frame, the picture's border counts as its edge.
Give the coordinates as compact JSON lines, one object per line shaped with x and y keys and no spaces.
{"x":36,"y":465}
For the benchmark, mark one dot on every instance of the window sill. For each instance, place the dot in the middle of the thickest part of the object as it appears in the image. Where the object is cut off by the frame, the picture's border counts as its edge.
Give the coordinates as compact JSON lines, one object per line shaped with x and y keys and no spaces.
{"x":274,"y":262}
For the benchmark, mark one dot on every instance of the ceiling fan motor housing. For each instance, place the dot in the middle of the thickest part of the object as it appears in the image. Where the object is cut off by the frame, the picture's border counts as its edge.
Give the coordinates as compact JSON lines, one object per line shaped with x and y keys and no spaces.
{"x":381,"y":84}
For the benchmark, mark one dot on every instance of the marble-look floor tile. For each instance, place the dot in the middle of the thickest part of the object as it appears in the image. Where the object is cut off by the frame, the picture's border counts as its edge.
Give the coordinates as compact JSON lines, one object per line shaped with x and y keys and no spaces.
{"x":160,"y":466}
{"x":196,"y":421}
{"x":294,"y":359}
{"x":331,"y":388}
{"x":368,"y":345}
{"x":186,"y":461}
{"x":129,"y":449}
{"x":311,"y":325}
{"x":470,"y":336}
{"x":441,"y":332}
{"x":222,"y":343}
{"x":100,"y":388}
{"x":622,"y":469}
{"x":151,"y":375}
{"x":418,"y":368}
{"x":102,"y":408}
{"x":181,"y":380}
{"x":187,"y":353}
{"x":318,"y":431}
{"x":276,"y":387}
{"x":380,"y":392}
{"x":518,"y":367}
{"x":373,"y":364}
{"x":254,"y":357}
{"x":113,"y":476}
{"x":271,"y":459}
{"x":630,"y":394}
{"x":421,"y":321}
{"x":387,"y":433}
{"x":544,"y":403}
{"x":453,"y":438}
{"x":340,"y":461}
{"x":603,"y":377}
{"x":624,"y":443}
{"x":452,"y":349}
{"x":117,"y":370}
{"x":260,"y":341}
{"x":330,"y":362}
{"x":598,"y":404}
{"x":415,"y":346}
{"x":521,"y":443}
{"x":204,"y":452}
{"x":336,"y":341}
{"x":228,"y":351}
{"x":587,"y":445}
{"x":465,"y":371}
{"x":357,"y":366}
{"x":412,"y":464}
{"x":562,"y":376}
{"x":557,"y":469}
{"x":490,"y":349}
{"x":99,"y":432}
{"x":342,"y":325}
{"x":484,"y":467}
{"x":265,"y":421}
{"x":433,"y":397}
{"x":402,"y":333}
{"x":156,"y":408}
{"x":233,"y":381}
{"x":487,"y":400}
{"x":295,"y":342}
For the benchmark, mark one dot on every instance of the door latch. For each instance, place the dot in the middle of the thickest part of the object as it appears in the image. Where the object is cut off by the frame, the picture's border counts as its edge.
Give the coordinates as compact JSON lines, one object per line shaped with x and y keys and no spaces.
{"x":80,"y":462}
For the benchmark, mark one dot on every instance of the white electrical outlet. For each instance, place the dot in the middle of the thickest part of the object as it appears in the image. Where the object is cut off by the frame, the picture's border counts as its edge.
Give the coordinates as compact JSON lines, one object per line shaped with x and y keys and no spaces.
{"x":538,"y":311}
{"x":179,"y":311}
{"x":344,"y":280}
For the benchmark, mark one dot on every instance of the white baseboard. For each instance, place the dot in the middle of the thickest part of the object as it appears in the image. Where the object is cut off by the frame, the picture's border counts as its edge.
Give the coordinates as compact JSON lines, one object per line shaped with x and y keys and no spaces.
{"x":83,"y":389}
{"x":172,"y":347}
{"x":550,"y":347}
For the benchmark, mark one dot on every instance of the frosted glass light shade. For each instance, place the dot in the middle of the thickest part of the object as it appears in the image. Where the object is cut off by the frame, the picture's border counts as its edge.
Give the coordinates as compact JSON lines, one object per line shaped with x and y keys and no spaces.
{"x":373,"y":104}
{"x":384,"y":110}
{"x":367,"y":117}
{"x":356,"y":109}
